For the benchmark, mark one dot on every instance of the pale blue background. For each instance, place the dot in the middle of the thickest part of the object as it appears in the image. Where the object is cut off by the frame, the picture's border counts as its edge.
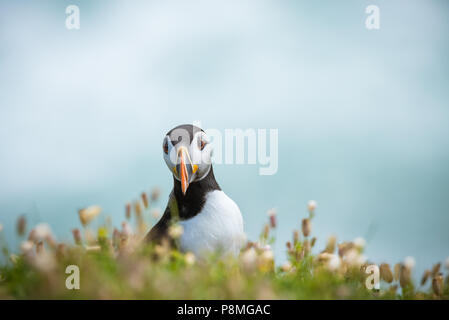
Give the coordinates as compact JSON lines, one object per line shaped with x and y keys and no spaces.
{"x":363,"y":116}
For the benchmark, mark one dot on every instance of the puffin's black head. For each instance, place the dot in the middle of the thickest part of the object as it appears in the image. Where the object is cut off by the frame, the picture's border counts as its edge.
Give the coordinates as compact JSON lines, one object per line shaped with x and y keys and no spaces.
{"x":188,"y":154}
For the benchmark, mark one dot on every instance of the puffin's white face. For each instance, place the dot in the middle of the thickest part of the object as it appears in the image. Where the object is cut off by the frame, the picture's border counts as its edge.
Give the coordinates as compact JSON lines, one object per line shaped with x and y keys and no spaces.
{"x":189,"y":161}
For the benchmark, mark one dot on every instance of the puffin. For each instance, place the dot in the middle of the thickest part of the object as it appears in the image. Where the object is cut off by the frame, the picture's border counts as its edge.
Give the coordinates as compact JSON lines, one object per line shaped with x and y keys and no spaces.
{"x":211,"y":221}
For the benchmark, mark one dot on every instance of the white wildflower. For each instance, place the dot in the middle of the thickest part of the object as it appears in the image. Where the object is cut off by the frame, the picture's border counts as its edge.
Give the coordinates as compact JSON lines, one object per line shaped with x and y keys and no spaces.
{"x":286,"y":267}
{"x":126,"y":229}
{"x":44,"y":261}
{"x":330,"y":260}
{"x":267,"y":255}
{"x":354,"y":258}
{"x":248,"y":259}
{"x":175,"y":231}
{"x":26,"y":246}
{"x":190,"y":258}
{"x":42,"y":231}
{"x":312,"y":205}
{"x":263,"y":247}
{"x":334,"y":262}
{"x":359,"y":243}
{"x":409,"y":262}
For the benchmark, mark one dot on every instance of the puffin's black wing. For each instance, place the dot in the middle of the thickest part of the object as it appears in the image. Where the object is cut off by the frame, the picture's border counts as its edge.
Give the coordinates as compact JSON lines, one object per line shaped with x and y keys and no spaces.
{"x":160,"y":230}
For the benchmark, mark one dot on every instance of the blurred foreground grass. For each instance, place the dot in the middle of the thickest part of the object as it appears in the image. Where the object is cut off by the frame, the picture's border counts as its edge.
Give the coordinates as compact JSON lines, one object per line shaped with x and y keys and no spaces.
{"x":115,"y":264}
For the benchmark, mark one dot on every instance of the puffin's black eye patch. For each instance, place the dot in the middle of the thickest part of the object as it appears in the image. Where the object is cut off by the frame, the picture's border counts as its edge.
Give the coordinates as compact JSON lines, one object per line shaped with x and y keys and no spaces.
{"x":178,"y":140}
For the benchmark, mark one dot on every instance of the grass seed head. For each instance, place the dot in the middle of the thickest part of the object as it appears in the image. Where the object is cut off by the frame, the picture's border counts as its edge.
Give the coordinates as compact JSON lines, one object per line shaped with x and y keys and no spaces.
{"x":330,"y":246}
{"x":438,"y":284}
{"x":144,"y":200}
{"x":155,"y":193}
{"x":436,"y":269}
{"x":21,"y":225}
{"x":392,"y":290}
{"x":141,"y":226}
{"x":344,"y":247}
{"x":138,"y":209}
{"x":397,"y":271}
{"x":77,"y":236}
{"x":116,"y":236}
{"x":404,"y":276}
{"x":128,"y":211}
{"x":300,"y":254}
{"x":425,"y":277}
{"x":266,"y":231}
{"x":88,"y":214}
{"x":272,"y":216}
{"x":307,"y":247}
{"x":295,"y":237}
{"x":385,"y":273}
{"x":306,"y":227}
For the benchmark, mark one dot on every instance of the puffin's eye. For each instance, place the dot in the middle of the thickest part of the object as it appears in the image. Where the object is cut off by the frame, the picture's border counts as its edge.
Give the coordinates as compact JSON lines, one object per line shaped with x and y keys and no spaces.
{"x":201,"y":143}
{"x":165,"y":147}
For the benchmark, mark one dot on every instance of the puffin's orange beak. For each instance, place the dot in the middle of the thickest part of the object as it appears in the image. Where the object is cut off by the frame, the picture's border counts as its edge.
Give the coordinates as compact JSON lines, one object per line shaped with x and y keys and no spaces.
{"x":184,"y":176}
{"x":184,"y":168}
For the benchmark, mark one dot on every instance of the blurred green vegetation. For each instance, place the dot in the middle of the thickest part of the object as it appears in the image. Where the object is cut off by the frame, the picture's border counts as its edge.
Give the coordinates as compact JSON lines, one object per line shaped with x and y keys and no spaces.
{"x":116,"y":264}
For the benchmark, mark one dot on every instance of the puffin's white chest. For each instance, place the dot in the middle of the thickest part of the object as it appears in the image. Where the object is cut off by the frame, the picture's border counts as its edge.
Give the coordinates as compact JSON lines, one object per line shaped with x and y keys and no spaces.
{"x":219,"y":226}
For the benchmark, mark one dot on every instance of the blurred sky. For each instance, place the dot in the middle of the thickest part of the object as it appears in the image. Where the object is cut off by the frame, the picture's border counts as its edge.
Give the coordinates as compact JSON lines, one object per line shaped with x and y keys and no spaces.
{"x":363,"y":116}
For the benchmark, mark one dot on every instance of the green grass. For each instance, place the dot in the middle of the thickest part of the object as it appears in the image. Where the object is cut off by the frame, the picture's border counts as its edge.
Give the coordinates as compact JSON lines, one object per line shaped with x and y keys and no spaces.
{"x":115,"y":264}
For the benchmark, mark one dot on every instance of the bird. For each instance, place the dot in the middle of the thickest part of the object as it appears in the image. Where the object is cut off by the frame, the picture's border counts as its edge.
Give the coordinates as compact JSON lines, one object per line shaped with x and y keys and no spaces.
{"x":211,"y":221}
